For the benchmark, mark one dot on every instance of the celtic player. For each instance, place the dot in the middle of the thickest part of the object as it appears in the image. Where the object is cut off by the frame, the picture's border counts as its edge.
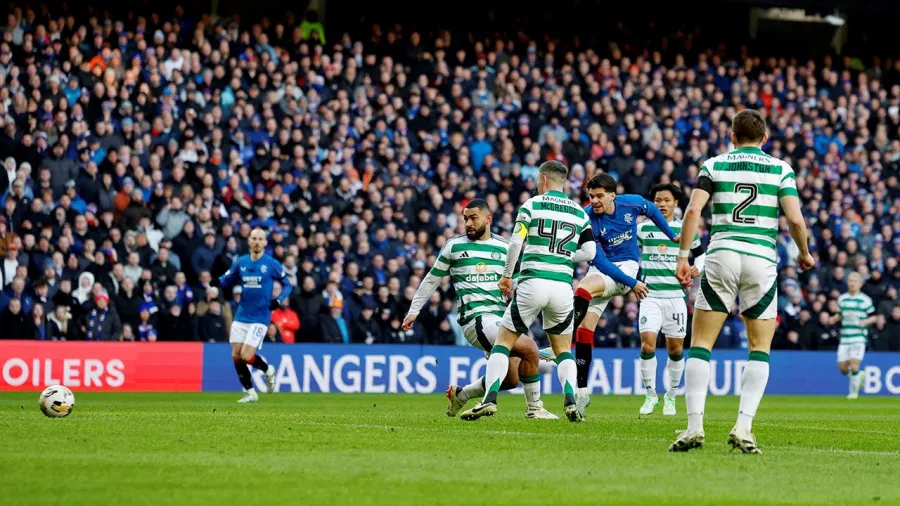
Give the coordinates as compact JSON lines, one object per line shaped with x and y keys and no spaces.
{"x":855,"y":310}
{"x":664,"y":308}
{"x":746,"y":187}
{"x":555,"y":234}
{"x":475,"y":263}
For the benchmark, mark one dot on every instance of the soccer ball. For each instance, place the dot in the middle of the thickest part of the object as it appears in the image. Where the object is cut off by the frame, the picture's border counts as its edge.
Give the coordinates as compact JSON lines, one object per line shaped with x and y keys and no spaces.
{"x":57,"y":401}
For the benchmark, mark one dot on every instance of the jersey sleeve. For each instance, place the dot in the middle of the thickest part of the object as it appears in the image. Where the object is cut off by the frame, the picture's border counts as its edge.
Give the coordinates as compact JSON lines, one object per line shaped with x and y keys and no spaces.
{"x":870,"y":308}
{"x":280,"y":275}
{"x":442,"y":264}
{"x":228,"y":278}
{"x":788,"y":186}
{"x":706,"y":170}
{"x":523,"y":219}
{"x":640,"y":235}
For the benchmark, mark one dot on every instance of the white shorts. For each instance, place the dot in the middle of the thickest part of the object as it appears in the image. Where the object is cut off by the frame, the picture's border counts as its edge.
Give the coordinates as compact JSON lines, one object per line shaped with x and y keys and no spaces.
{"x":252,"y":334}
{"x":851,"y":352}
{"x":611,"y":288}
{"x":482,"y":331}
{"x":666,"y":315}
{"x":729,"y":275}
{"x":534,"y":296}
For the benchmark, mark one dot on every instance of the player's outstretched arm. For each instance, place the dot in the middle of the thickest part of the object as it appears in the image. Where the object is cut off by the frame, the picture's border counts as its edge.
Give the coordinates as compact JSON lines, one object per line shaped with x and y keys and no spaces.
{"x":655,"y":215}
{"x":429,"y":284}
{"x":612,"y":270}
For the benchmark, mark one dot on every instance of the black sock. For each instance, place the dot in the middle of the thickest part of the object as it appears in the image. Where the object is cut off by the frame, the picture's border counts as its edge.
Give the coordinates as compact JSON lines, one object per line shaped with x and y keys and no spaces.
{"x":580,"y":311}
{"x":243,"y":373}
{"x":259,"y":363}
{"x":583,"y":356}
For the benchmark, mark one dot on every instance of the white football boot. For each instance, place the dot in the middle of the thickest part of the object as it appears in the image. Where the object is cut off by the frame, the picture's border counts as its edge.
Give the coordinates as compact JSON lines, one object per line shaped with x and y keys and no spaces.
{"x":250,"y":395}
{"x":538,"y":412}
{"x":688,"y":440}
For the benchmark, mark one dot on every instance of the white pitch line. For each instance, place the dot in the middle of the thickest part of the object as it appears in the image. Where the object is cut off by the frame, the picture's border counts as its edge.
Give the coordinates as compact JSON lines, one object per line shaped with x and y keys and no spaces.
{"x":591,"y":436}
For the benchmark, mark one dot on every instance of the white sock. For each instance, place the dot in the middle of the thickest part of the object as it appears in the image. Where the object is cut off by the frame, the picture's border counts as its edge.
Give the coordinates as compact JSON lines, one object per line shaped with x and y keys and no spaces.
{"x":532,"y":392}
{"x":568,"y":373}
{"x":648,"y":375}
{"x":855,"y":378}
{"x":696,"y":385}
{"x":497,"y":367}
{"x":753,"y":385}
{"x":675,"y":368}
{"x":472,"y":390}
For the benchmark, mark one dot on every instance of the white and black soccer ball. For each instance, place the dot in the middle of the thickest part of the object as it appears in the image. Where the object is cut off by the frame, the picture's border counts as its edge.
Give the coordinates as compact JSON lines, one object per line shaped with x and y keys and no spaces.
{"x":57,"y":401}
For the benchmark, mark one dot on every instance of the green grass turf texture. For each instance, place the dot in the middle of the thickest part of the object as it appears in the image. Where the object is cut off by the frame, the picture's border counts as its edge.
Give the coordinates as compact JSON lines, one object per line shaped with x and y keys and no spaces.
{"x":322,"y":449}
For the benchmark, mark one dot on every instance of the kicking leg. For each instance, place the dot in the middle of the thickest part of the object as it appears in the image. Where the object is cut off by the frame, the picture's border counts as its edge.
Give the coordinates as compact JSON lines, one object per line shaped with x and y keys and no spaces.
{"x":675,"y":367}
{"x":648,"y":371}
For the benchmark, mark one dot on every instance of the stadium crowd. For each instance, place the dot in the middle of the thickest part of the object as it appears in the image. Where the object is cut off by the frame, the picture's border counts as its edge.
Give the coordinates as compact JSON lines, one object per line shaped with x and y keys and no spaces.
{"x":139,"y":154}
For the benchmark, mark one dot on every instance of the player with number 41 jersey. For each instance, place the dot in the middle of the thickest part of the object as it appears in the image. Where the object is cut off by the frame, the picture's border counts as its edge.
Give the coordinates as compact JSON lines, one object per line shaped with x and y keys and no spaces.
{"x":664,"y":309}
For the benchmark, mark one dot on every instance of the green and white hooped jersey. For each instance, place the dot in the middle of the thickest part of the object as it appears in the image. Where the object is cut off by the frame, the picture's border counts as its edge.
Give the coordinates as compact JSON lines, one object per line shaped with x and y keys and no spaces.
{"x":552,"y":225}
{"x":659,"y":258}
{"x":475,"y":268}
{"x":747,"y":184}
{"x":854,"y":309}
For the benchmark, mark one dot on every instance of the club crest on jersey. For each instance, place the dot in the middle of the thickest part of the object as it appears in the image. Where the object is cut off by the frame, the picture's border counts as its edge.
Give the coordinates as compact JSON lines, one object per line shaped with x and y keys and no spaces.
{"x":495,"y":255}
{"x":481,"y":267}
{"x":662,"y":248}
{"x":603,"y":231}
{"x":263,"y":269}
{"x":629,"y":218}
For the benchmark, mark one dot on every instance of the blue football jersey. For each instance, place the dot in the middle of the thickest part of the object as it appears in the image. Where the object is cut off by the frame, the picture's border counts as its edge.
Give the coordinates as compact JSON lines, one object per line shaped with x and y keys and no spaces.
{"x":257,"y":279}
{"x":617,"y":232}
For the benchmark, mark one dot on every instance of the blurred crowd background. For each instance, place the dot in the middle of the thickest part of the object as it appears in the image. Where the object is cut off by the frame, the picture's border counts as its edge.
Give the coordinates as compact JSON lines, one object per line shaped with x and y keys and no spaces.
{"x":141,"y":146}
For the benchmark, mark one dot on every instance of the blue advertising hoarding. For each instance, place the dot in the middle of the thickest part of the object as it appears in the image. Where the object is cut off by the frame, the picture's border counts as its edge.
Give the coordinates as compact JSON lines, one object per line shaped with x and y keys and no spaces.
{"x":429,"y":369}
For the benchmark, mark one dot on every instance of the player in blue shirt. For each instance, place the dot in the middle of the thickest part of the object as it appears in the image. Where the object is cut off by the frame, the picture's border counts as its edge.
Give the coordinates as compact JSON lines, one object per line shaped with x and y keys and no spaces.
{"x":614,"y":220}
{"x":257,"y":274}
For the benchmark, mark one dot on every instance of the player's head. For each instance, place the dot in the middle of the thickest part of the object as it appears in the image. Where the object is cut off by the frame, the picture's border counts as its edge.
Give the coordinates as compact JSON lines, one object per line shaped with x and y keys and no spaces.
{"x":854,"y":282}
{"x":748,"y":128}
{"x":666,"y":196}
{"x":551,"y":176}
{"x":602,"y":192}
{"x":477,"y":217}
{"x":257,"y":241}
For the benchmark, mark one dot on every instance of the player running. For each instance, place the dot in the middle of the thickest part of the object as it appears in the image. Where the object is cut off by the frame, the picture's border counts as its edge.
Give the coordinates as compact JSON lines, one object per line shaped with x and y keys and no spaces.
{"x":855,"y":309}
{"x":664,"y":308}
{"x":475,"y":263}
{"x":614,"y":222}
{"x":555,"y":234}
{"x":746,"y":187}
{"x":257,"y":273}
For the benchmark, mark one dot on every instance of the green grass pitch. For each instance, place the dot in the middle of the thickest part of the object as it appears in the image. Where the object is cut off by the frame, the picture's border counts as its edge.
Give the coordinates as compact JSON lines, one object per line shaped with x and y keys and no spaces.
{"x":319,"y":449}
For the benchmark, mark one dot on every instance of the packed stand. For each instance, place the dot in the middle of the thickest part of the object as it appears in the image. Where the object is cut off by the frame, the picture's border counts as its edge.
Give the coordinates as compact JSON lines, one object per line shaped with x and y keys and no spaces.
{"x":140,"y":154}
